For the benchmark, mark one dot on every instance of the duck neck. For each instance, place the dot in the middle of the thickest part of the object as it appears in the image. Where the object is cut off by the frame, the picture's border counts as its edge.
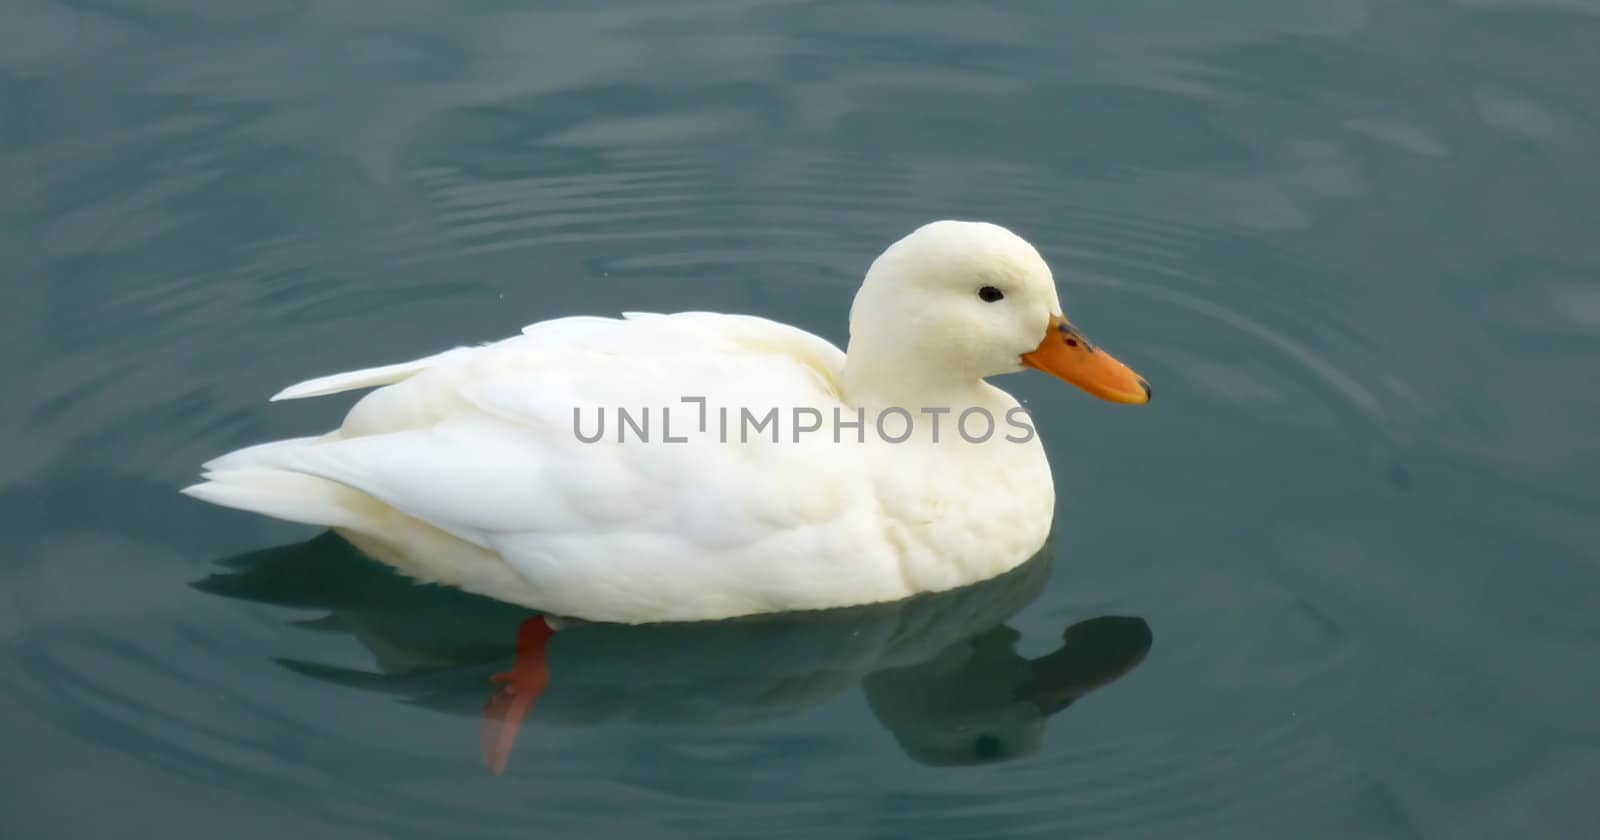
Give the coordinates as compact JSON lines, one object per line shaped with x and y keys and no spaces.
{"x":878,"y":382}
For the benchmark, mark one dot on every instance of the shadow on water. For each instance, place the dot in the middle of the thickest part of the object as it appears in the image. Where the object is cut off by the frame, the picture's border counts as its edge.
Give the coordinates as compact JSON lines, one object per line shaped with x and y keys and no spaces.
{"x":941,"y":672}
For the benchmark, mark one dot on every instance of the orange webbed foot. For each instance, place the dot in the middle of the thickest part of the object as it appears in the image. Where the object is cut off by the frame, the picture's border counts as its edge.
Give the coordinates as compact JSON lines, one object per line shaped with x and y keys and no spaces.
{"x":519,"y":689}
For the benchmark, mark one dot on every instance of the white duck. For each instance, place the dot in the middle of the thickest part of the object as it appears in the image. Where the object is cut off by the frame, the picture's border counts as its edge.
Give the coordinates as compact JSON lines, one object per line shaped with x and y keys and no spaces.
{"x":472,"y":468}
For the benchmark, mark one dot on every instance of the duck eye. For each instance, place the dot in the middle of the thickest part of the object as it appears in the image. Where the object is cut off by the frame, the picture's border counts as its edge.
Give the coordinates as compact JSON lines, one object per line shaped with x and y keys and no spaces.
{"x":989,"y":294}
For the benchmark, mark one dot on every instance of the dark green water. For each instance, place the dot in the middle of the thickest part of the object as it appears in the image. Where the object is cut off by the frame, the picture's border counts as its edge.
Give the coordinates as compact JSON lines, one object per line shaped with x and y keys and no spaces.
{"x":1351,"y":244}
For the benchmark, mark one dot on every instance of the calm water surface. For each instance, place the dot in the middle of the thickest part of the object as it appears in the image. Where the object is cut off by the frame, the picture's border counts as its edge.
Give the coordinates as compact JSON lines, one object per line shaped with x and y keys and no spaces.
{"x":1337,"y":580}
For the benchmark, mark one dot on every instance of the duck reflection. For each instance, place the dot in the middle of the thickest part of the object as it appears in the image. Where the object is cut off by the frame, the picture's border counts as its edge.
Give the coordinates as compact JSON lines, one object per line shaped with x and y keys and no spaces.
{"x":941,"y":672}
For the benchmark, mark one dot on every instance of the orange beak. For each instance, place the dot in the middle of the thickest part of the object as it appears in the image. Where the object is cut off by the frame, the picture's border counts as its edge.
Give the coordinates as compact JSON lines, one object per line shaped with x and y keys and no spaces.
{"x":1065,"y":353}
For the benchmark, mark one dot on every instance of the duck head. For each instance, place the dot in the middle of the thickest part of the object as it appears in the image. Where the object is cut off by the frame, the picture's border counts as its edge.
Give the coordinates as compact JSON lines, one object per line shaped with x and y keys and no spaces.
{"x":956,"y":302}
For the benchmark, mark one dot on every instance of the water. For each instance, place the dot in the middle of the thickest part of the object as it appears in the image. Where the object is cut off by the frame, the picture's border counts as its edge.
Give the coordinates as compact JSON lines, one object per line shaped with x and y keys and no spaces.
{"x":1337,"y":580}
